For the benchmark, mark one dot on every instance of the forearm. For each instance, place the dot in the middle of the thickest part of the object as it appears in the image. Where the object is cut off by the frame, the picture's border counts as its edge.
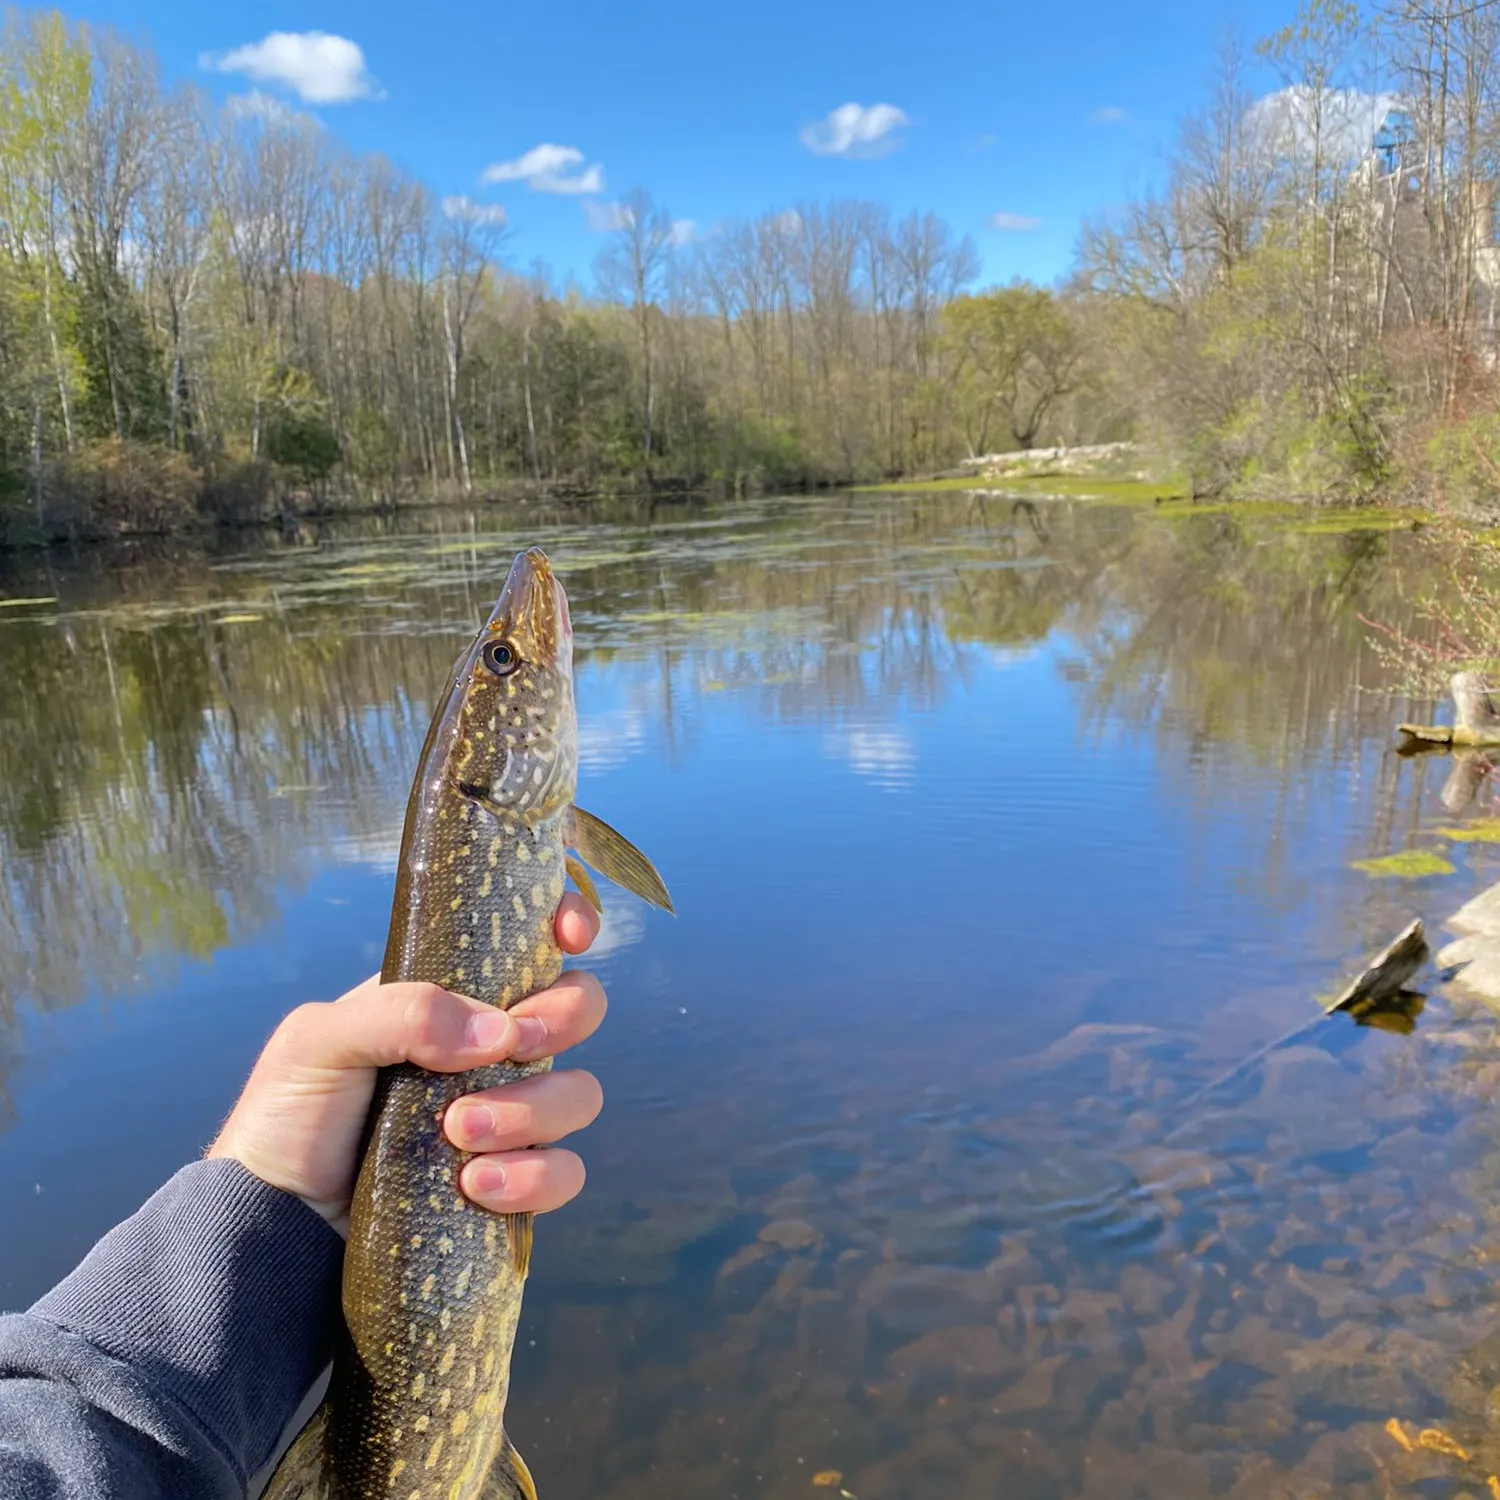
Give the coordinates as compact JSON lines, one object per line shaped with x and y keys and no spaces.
{"x":169,"y":1362}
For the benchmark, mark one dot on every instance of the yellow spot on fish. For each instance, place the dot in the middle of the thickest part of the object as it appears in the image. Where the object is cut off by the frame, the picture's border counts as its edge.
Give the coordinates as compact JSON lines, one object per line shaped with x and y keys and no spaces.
{"x":416,"y":1242}
{"x":522,"y":852}
{"x":477,"y":1335}
{"x":446,"y":1362}
{"x":489,"y":1362}
{"x":445,"y":1400}
{"x":396,"y":1468}
{"x":484,"y":885}
{"x":491,"y":725}
{"x":520,"y":906}
{"x":526,"y":978}
{"x":544,"y":853}
{"x":428,"y":1282}
{"x":495,"y":929}
{"x":444,"y":1245}
{"x":434,"y":1203}
{"x":491,"y":1235}
{"x":462,"y":1284}
{"x":463,"y":940}
{"x":460,"y":1421}
{"x":389,"y":1347}
{"x":540,"y":956}
{"x":419,"y":1383}
{"x":434,"y":1452}
{"x":494,"y":853}
{"x":487,"y":968}
{"x":538,"y":897}
{"x":445,"y":1318}
{"x":455,"y":903}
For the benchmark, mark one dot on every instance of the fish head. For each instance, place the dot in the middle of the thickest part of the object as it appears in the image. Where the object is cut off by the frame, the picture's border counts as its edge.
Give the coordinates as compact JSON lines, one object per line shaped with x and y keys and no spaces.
{"x":515,"y":746}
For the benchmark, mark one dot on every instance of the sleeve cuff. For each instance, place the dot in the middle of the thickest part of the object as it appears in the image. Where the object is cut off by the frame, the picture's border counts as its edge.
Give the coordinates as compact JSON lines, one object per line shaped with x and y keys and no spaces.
{"x":220,"y":1290}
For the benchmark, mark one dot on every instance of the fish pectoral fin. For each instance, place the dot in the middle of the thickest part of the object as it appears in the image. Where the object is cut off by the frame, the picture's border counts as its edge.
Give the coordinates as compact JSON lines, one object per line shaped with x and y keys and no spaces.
{"x":508,"y":1478}
{"x":585,"y":883}
{"x":518,"y":1232}
{"x":303,"y":1473}
{"x":614,"y":856}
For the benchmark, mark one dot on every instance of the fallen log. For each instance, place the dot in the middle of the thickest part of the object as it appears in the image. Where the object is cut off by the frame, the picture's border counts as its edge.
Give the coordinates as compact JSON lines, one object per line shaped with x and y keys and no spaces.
{"x":1476,"y":722}
{"x":1452,"y":734}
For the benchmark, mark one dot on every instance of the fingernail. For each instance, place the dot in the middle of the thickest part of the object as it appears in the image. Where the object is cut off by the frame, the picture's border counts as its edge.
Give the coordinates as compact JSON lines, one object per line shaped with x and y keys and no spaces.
{"x":486,"y":1178}
{"x":488,"y":1030}
{"x":531,"y":1036}
{"x":475,"y":1123}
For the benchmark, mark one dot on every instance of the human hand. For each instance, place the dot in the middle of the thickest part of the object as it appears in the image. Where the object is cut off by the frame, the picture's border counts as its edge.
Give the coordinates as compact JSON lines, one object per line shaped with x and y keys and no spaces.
{"x":300,"y":1118}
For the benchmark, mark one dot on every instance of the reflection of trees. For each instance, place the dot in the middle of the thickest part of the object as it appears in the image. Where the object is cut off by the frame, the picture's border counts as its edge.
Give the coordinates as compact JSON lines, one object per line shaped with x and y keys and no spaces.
{"x":164,"y":767}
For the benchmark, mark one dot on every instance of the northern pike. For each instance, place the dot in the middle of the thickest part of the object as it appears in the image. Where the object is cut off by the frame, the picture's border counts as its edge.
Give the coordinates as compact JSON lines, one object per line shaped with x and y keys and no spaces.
{"x":432,"y":1284}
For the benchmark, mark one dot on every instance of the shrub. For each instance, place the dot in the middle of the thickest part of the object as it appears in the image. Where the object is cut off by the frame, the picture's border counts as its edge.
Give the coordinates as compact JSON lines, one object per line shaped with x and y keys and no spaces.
{"x":117,"y":486}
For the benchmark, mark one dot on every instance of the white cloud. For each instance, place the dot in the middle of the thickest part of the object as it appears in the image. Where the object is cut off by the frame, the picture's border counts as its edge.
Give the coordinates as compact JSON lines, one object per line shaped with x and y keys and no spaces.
{"x":1346,"y":119}
{"x":1014,"y":223}
{"x":855,"y":130}
{"x":886,"y":756}
{"x":684,"y":231}
{"x":465,"y":210}
{"x":604,"y":218}
{"x":316,"y":66}
{"x":1109,"y":114}
{"x":549,"y":169}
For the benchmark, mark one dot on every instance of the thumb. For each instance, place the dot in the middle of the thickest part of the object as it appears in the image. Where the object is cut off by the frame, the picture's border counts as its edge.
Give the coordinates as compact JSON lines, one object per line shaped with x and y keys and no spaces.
{"x":377,"y":1025}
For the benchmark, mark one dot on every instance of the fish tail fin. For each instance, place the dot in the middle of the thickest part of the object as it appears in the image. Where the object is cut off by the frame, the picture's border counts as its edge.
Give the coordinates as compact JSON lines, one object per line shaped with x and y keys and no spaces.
{"x":508,"y":1478}
{"x":303,"y":1473}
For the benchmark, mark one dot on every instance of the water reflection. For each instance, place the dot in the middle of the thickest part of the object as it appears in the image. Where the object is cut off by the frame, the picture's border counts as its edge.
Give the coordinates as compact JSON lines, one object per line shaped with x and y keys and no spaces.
{"x":1000,"y":829}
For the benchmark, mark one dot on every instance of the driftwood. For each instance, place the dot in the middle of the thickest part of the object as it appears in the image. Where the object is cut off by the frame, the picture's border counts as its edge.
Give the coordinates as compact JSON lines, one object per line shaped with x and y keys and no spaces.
{"x":1475,"y":723}
{"x":1386,"y":974}
{"x":1379,"y":983}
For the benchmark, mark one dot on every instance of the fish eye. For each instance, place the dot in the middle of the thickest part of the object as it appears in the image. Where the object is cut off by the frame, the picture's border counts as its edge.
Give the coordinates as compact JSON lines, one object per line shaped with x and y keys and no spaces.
{"x":500,"y":658}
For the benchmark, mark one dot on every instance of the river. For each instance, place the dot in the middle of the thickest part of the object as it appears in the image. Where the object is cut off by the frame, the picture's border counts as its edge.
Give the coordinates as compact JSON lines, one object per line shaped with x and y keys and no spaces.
{"x":996,"y":830}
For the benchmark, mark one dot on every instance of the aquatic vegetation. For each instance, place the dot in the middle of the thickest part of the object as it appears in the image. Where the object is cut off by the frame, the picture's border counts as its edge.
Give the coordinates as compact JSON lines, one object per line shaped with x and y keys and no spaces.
{"x":1484,"y":832}
{"x":1410,"y":864}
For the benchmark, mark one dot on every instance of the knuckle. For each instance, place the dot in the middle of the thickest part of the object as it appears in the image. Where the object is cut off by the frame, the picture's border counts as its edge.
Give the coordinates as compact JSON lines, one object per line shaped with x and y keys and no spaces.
{"x":425,"y":1014}
{"x":590,"y":991}
{"x":299,"y":1025}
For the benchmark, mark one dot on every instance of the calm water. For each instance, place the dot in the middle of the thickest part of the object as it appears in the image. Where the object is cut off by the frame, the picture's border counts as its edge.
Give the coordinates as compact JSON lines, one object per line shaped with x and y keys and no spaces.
{"x":995,"y":832}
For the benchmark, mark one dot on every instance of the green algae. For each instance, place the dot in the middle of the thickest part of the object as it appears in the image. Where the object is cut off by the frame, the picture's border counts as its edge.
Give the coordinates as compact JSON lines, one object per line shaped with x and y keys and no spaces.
{"x":1485,"y":832}
{"x":1410,"y":864}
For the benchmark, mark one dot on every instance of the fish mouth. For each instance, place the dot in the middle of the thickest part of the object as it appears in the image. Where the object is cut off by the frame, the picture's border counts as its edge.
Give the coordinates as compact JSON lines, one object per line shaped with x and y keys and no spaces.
{"x":532,"y":611}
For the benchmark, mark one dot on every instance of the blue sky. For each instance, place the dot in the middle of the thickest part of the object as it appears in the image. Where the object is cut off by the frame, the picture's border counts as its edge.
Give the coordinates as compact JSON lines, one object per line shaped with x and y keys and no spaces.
{"x":1039,"y":112}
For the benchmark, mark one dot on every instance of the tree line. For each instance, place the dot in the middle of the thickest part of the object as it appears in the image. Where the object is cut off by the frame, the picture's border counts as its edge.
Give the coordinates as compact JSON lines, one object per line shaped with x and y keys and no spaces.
{"x":199,"y":307}
{"x":223,"y":310}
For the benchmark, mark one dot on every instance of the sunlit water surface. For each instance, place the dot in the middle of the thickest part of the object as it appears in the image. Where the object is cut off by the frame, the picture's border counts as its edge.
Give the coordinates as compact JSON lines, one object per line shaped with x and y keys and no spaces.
{"x":995,"y":831}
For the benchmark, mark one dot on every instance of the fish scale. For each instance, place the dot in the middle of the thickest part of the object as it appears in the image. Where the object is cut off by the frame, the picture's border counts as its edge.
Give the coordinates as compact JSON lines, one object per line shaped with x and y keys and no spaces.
{"x":432,"y":1284}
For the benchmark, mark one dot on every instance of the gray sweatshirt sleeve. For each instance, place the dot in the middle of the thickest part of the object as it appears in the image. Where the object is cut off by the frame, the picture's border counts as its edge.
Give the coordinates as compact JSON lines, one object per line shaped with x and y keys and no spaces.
{"x":169,"y":1362}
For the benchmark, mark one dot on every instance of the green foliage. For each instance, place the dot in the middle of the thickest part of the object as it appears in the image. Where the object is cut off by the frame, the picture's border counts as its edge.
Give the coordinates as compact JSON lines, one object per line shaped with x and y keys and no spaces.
{"x":1461,"y":460}
{"x":303,"y":441}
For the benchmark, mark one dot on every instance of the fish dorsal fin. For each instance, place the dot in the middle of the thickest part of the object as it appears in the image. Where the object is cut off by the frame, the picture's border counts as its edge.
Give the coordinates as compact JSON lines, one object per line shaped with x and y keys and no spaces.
{"x":614,"y":856}
{"x":508,"y":1478}
{"x":303,"y":1473}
